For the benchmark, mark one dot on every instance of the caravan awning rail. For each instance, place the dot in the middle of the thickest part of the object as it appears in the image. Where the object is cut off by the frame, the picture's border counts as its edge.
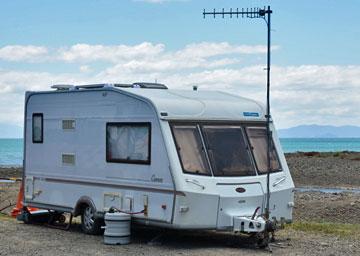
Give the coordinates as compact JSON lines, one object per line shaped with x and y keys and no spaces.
{"x":143,"y":85}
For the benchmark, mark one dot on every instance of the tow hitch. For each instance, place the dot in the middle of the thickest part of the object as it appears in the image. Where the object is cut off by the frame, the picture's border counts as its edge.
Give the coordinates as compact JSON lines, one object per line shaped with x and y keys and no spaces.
{"x":263,"y":229}
{"x":246,"y":224}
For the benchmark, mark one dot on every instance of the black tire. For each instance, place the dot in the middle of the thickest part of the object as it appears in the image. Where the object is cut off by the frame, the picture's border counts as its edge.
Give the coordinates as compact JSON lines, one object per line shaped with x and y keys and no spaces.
{"x":26,"y":217}
{"x":89,"y":223}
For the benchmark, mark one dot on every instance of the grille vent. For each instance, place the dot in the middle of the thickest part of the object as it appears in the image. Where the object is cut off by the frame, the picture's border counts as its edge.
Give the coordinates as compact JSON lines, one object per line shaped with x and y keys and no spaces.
{"x":68,"y":159}
{"x":68,"y":124}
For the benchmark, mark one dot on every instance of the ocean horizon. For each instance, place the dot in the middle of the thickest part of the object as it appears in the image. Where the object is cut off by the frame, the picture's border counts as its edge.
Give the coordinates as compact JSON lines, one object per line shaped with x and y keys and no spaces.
{"x":11,"y":150}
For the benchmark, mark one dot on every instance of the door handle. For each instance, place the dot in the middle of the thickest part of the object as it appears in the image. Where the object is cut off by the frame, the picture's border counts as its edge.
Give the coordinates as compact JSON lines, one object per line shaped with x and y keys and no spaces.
{"x":280,"y":180}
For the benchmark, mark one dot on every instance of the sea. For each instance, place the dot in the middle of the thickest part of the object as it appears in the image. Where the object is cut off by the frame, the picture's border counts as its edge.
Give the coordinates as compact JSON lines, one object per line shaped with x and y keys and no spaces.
{"x":11,"y":150}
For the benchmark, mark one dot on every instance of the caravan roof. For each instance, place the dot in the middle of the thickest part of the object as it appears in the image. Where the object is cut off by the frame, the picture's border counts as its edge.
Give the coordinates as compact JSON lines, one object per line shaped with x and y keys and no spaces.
{"x":200,"y":105}
{"x":183,"y":104}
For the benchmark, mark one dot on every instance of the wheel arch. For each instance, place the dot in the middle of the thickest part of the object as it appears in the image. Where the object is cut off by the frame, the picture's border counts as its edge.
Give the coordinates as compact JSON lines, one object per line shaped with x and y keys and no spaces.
{"x":82,"y":203}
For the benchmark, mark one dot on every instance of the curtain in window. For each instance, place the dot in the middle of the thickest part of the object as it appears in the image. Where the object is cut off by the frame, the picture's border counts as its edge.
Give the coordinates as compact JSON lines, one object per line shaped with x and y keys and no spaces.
{"x":128,"y":142}
{"x":258,"y":141}
{"x":228,"y":151}
{"x":190,"y":149}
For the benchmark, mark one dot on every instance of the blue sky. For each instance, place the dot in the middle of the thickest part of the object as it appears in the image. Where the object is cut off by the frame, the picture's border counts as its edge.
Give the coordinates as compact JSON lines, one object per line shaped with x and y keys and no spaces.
{"x":316,"y":52}
{"x":310,"y":32}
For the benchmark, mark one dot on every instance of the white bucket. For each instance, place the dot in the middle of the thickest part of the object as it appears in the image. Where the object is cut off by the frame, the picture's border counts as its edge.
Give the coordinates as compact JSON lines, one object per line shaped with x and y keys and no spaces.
{"x":117,"y":229}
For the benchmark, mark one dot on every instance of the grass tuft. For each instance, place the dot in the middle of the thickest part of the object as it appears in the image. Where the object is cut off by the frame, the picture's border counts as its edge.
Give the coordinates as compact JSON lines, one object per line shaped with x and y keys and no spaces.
{"x":340,"y":229}
{"x":4,"y":216}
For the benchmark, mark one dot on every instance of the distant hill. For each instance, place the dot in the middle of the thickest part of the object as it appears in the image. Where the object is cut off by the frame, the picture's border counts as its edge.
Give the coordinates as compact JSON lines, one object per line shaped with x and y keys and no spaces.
{"x":10,"y":131}
{"x":320,"y":131}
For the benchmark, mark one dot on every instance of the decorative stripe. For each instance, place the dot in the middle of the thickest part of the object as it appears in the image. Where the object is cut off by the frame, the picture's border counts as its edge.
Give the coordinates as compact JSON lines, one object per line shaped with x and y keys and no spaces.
{"x":90,"y":183}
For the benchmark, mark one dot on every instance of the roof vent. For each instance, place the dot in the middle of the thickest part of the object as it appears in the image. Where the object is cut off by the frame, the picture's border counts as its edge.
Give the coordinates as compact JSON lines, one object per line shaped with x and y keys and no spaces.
{"x":63,"y":87}
{"x":149,"y":85}
{"x":123,"y":85}
{"x":94,"y":86}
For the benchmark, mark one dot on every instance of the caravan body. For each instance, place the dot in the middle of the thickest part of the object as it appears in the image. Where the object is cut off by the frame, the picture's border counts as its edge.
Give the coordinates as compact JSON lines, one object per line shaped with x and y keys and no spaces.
{"x":184,"y":159}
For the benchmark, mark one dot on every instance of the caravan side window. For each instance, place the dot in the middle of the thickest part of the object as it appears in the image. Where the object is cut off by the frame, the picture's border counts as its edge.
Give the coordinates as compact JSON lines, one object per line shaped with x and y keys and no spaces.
{"x":128,"y":142}
{"x":37,"y":128}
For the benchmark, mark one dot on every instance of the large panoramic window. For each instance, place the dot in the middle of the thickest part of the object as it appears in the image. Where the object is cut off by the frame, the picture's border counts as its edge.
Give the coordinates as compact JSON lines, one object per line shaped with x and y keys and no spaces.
{"x":228,"y":151}
{"x":258,"y":141}
{"x":37,"y":128}
{"x":128,"y":142}
{"x":190,"y":149}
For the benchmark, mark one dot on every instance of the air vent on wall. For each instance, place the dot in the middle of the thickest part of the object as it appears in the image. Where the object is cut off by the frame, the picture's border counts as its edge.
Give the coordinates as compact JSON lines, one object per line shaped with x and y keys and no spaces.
{"x":68,"y":159}
{"x":68,"y":124}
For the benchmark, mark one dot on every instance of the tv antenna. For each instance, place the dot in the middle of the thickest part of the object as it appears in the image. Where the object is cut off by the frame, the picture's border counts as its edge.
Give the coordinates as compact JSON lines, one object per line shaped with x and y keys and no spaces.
{"x":265,"y":14}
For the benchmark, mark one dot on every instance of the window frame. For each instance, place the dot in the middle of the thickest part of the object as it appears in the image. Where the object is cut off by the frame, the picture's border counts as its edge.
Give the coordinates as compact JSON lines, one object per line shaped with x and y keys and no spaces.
{"x":198,"y":129}
{"x":259,"y":173}
{"x":128,"y":161}
{"x":41,"y":115}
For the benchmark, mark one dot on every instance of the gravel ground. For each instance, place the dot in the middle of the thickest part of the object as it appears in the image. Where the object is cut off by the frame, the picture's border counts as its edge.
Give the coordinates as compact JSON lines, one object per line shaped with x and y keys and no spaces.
{"x":10,"y":172}
{"x":21,"y":239}
{"x":8,"y":195}
{"x":325,"y":169}
{"x":327,"y":207}
{"x":17,"y":238}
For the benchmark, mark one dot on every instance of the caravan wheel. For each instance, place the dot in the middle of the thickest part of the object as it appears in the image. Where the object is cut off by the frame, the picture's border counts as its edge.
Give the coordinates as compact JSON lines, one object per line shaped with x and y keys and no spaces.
{"x":89,"y":224}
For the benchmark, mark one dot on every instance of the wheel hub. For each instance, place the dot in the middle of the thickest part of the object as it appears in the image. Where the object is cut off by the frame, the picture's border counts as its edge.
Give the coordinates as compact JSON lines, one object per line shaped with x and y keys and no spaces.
{"x":89,"y":218}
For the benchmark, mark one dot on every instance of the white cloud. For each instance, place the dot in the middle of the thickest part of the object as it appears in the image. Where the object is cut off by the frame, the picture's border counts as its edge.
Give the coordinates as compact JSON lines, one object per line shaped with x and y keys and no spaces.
{"x":84,"y":68}
{"x":23,"y":53}
{"x":143,"y":55}
{"x":323,"y":94}
{"x":114,"y":53}
{"x":300,"y":94}
{"x":148,"y":57}
{"x":208,"y":49}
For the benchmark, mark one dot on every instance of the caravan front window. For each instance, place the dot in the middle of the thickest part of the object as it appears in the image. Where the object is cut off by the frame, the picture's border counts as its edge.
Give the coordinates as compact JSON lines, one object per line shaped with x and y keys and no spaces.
{"x":223,"y":149}
{"x":228,"y":151}
{"x":258,"y":140}
{"x":190,"y":149}
{"x":128,"y":142}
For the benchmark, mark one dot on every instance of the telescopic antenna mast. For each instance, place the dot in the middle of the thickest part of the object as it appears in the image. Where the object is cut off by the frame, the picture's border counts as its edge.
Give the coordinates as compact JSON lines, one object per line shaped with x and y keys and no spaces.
{"x":264,"y":14}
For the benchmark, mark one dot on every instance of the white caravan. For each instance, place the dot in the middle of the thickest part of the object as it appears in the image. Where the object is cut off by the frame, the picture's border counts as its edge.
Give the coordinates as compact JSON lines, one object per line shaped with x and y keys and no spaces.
{"x":183,"y":159}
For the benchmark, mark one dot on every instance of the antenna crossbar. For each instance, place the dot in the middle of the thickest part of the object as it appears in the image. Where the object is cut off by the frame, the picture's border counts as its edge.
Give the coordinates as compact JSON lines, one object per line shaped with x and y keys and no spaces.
{"x":243,"y":13}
